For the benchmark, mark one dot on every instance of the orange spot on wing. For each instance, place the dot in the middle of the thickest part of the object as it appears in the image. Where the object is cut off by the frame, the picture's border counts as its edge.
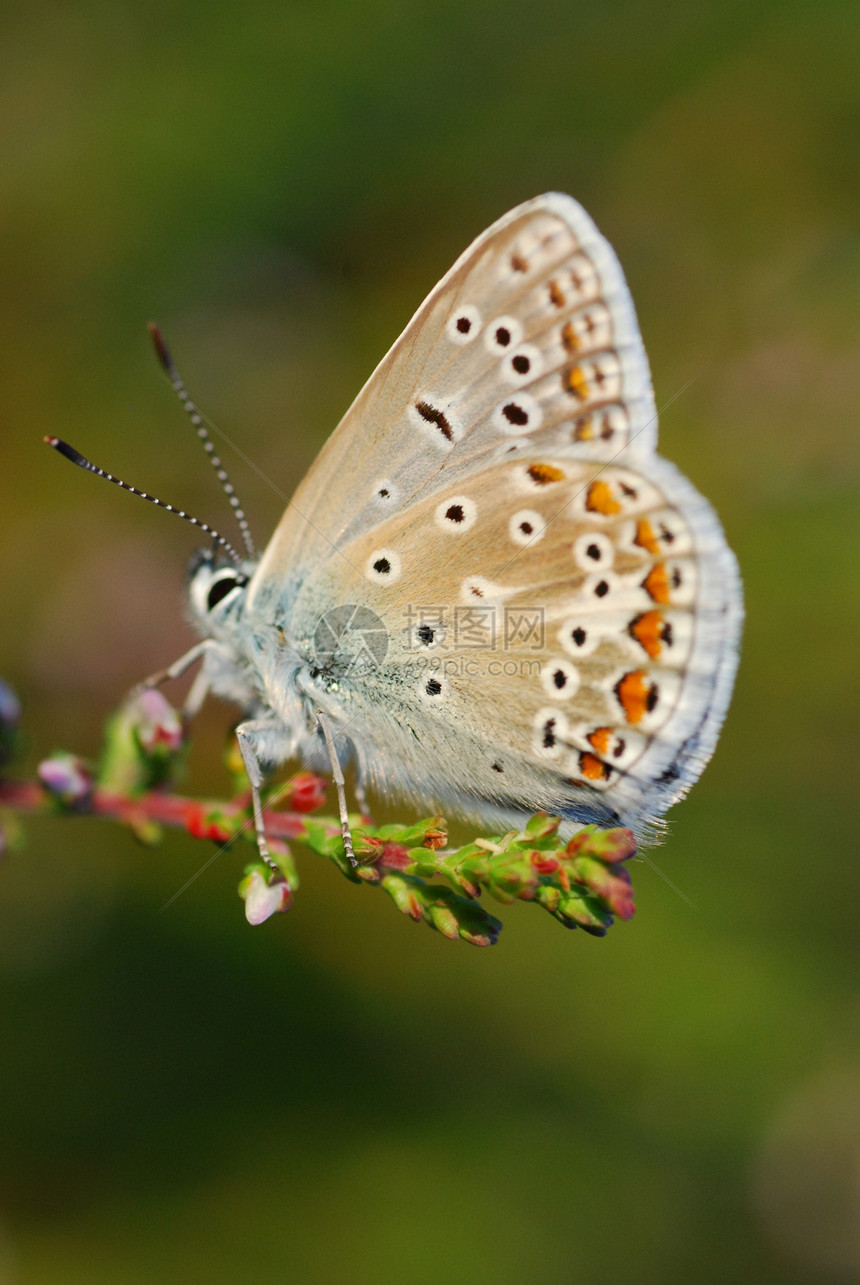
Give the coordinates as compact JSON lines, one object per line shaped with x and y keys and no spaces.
{"x":600,"y":739}
{"x":656,"y":583}
{"x":555,"y":294}
{"x":583,"y":430}
{"x":592,"y":769}
{"x":569,"y":337}
{"x":576,"y":383}
{"x":599,"y":499}
{"x":518,"y":263}
{"x":645,"y":537}
{"x":636,"y":694}
{"x":544,"y":473}
{"x":647,"y":629}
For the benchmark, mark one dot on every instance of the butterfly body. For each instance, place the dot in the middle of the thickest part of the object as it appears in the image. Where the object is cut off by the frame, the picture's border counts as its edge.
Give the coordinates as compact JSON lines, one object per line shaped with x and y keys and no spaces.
{"x":490,"y":585}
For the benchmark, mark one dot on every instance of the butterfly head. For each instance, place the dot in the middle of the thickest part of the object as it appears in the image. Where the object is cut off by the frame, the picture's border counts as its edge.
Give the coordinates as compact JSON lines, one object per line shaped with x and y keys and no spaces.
{"x":216,"y":592}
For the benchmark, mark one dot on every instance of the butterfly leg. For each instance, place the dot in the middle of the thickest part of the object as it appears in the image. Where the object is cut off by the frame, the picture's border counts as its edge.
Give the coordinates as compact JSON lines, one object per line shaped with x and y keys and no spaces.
{"x":177,"y":668}
{"x":245,"y":735}
{"x":337,"y":776}
{"x":196,"y":695}
{"x":199,"y":688}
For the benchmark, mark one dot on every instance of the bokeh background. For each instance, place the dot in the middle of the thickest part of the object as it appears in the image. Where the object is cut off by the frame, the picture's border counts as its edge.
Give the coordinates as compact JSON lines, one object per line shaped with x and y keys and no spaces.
{"x":340,"y":1094}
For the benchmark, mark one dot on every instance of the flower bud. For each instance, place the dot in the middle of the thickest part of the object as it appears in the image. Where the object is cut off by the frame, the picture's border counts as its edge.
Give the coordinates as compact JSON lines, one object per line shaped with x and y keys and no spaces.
{"x":306,"y":793}
{"x":66,"y":778}
{"x":263,"y":899}
{"x":158,"y":727}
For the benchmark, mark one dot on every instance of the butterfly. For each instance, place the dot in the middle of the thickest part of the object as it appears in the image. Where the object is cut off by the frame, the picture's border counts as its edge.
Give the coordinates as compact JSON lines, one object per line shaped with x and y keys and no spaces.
{"x":489,"y":592}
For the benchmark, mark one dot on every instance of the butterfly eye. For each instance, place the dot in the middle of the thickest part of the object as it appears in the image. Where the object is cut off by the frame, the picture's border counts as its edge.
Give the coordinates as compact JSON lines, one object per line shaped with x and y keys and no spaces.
{"x":221,"y":586}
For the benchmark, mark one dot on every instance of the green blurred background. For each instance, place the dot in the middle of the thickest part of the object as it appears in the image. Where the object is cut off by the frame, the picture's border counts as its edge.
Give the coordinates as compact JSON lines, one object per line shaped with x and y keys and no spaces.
{"x":341,"y":1095}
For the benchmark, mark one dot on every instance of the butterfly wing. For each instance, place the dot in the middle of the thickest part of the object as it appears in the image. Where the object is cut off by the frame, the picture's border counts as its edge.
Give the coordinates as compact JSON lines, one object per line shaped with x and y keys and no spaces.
{"x":552,"y":610}
{"x":561,"y":634}
{"x":529,"y":342}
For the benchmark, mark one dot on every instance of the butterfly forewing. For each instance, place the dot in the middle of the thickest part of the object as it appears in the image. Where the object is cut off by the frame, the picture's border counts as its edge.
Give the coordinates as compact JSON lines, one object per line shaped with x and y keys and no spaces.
{"x":530,"y":341}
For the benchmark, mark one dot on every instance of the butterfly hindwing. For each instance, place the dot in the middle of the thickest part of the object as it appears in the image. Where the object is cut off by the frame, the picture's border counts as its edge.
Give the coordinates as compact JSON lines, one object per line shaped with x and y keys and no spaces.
{"x":560,"y":633}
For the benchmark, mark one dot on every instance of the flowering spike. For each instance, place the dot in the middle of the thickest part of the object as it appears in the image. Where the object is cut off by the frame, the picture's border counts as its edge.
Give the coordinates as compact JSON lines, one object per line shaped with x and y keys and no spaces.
{"x":582,"y":882}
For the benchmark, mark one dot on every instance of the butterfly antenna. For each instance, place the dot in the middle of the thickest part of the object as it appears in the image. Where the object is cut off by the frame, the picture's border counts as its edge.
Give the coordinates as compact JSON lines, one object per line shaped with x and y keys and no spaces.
{"x":164,"y":357}
{"x":82,"y":462}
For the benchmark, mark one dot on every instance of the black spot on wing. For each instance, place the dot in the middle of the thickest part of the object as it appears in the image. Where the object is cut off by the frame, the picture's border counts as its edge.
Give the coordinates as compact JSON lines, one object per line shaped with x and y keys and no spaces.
{"x":437,"y":417}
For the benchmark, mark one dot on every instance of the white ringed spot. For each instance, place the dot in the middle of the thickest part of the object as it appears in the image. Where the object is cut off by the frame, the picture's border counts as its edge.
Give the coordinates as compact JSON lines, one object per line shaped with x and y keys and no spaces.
{"x":476,"y":589}
{"x":502,"y":334}
{"x":456,"y":514}
{"x":436,"y":418}
{"x":523,"y":365}
{"x":550,"y":733}
{"x":519,"y":413}
{"x":527,"y":527}
{"x":383,"y":566}
{"x":578,"y":637}
{"x":560,"y":679}
{"x":593,"y":550}
{"x":600,"y":587}
{"x":385,"y":493}
{"x":463,"y":325}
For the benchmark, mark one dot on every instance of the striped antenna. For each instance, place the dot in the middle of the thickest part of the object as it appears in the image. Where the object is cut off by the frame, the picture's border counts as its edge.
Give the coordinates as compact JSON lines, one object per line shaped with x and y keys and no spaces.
{"x":82,"y":462}
{"x":164,"y":357}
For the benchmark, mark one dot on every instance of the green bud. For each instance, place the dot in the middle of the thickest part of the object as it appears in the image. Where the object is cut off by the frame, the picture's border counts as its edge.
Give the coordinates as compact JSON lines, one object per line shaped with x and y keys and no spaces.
{"x":541,"y":826}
